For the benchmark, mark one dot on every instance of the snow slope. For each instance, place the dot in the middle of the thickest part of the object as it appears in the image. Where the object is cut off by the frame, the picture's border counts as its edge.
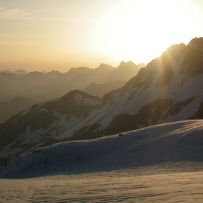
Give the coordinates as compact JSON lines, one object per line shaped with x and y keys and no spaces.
{"x":171,"y":142}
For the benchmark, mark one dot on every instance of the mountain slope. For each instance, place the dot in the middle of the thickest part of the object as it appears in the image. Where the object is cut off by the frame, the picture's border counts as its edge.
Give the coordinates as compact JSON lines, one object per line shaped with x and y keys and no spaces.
{"x":102,"y":89}
{"x":172,"y":142}
{"x":45,"y":122}
{"x":168,"y":89}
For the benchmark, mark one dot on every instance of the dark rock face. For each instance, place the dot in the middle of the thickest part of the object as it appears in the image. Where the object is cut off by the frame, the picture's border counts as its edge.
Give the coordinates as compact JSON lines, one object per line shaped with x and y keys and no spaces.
{"x":17,"y":125}
{"x":193,"y":60}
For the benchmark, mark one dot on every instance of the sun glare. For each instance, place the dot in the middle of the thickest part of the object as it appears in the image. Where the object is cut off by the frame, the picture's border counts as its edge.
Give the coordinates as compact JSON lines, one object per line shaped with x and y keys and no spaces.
{"x":141,"y":29}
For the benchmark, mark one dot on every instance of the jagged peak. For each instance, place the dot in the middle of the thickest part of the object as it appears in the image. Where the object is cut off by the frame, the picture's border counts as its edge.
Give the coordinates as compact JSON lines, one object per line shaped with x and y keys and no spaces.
{"x":104,"y":66}
{"x":196,"y":40}
{"x":124,"y":64}
{"x":196,"y":43}
{"x":79,"y":69}
{"x":174,"y":51}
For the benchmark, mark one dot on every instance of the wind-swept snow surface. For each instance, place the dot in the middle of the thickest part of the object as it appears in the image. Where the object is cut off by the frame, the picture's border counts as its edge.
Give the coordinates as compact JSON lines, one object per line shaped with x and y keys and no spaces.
{"x":172,"y":142}
{"x":152,"y":185}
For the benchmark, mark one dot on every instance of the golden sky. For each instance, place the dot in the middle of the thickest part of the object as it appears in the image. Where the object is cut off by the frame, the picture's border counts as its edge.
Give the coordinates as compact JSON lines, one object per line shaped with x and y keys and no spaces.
{"x":59,"y":34}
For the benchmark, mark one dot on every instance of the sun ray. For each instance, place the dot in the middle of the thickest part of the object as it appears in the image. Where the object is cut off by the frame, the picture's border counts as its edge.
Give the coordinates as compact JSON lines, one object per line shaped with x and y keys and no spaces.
{"x":141,"y":30}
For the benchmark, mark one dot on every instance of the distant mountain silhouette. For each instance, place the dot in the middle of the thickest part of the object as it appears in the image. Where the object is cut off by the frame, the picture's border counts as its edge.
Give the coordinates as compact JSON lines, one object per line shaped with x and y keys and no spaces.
{"x":44,"y":86}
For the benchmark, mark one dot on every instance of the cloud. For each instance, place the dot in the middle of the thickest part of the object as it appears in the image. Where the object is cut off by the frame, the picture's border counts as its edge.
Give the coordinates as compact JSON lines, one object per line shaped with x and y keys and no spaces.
{"x":12,"y":13}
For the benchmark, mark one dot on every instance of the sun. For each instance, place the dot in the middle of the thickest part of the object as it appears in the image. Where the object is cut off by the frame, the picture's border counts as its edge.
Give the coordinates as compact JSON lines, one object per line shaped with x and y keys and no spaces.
{"x":141,"y":29}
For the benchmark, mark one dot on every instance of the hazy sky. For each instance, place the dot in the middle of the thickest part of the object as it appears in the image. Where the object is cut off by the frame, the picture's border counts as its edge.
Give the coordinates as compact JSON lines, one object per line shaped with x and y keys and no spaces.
{"x":58,"y":34}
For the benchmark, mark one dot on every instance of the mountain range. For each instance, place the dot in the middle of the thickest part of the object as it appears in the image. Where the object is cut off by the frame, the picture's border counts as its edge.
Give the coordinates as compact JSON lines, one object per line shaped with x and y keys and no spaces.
{"x":35,"y":87}
{"x":168,"y":89}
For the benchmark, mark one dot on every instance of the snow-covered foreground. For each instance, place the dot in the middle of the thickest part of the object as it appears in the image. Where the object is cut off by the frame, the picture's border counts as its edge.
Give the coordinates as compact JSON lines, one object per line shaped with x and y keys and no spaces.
{"x":163,"y":183}
{"x":162,"y":163}
{"x":171,"y":142}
